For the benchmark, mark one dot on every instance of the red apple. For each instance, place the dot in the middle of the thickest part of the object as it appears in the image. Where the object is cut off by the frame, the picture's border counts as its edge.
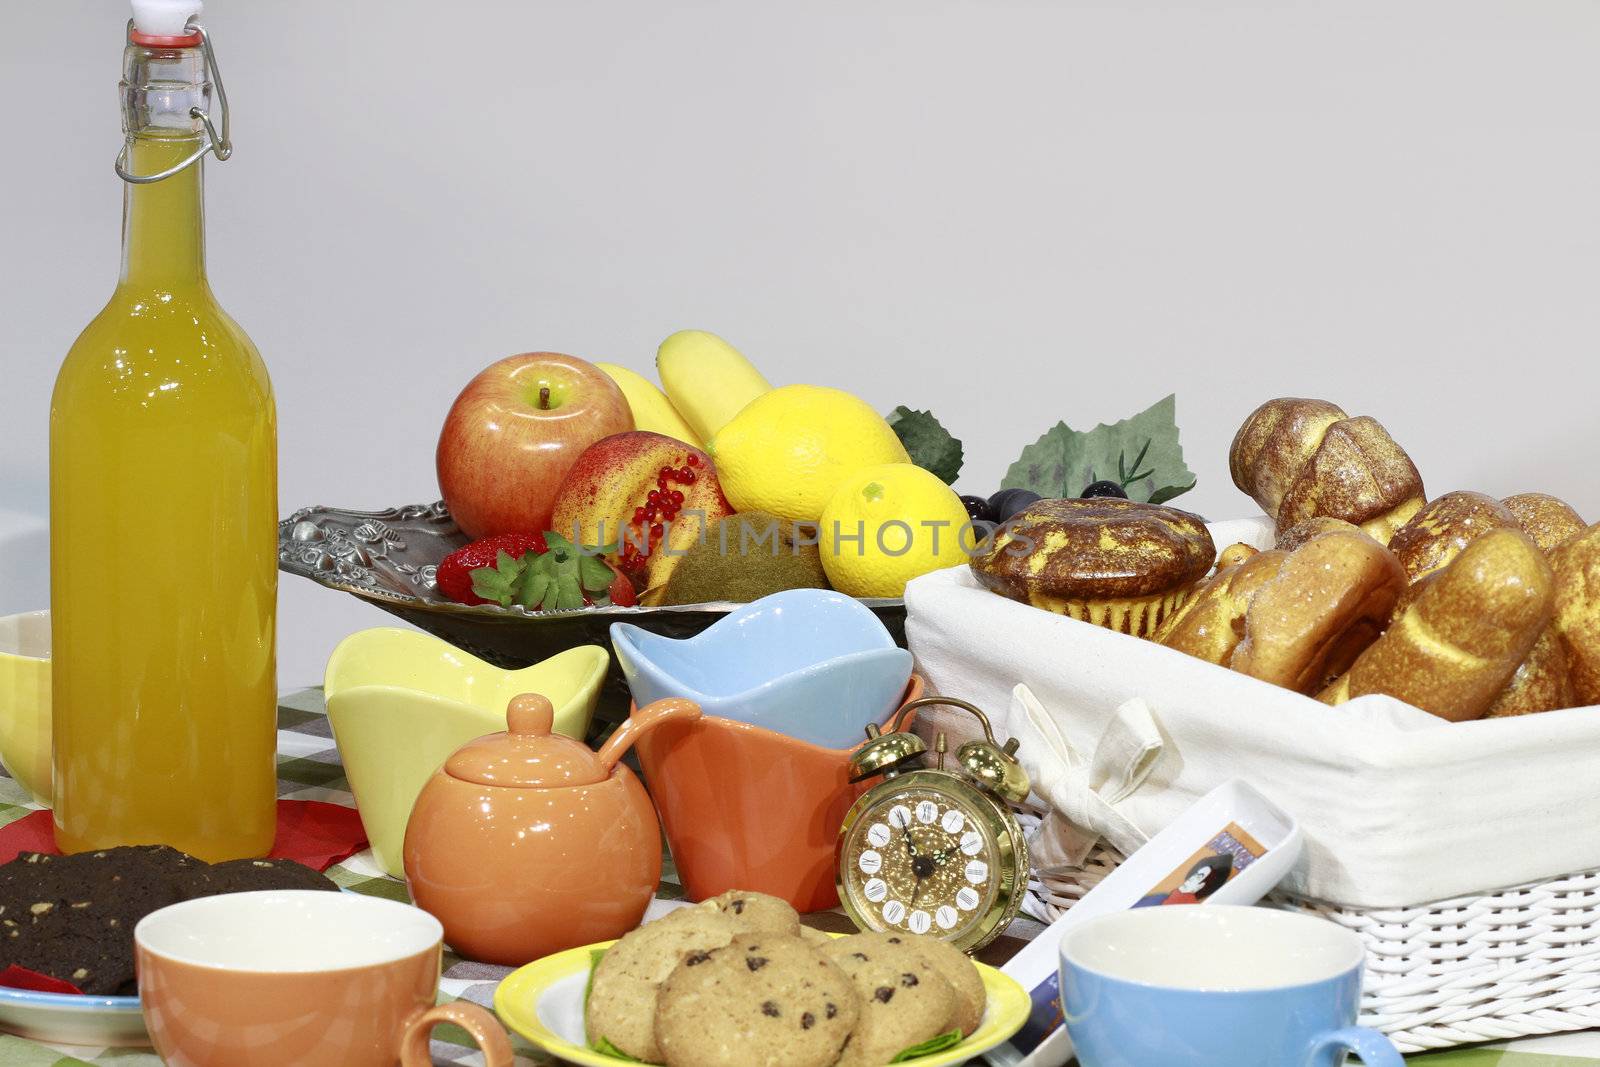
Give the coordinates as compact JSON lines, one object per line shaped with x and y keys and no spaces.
{"x":514,"y":433}
{"x":649,"y":494}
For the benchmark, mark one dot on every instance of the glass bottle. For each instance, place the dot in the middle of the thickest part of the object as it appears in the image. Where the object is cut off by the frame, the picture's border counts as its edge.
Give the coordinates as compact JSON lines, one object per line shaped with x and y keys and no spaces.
{"x":163,"y":515}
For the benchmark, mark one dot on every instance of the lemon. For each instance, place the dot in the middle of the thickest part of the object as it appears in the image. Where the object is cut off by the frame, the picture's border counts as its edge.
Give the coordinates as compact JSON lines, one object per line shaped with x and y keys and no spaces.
{"x":888,"y":524}
{"x":787,"y":450}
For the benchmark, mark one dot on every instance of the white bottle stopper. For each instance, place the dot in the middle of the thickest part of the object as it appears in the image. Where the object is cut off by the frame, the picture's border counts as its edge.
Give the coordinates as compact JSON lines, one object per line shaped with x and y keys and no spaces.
{"x":164,"y":18}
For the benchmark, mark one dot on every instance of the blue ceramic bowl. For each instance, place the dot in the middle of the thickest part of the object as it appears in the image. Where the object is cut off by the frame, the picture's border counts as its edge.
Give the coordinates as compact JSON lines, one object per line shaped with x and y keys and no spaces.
{"x":810,"y":663}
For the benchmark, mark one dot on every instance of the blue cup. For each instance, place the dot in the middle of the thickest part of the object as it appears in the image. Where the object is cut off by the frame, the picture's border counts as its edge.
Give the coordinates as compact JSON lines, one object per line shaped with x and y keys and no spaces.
{"x":1215,"y":986}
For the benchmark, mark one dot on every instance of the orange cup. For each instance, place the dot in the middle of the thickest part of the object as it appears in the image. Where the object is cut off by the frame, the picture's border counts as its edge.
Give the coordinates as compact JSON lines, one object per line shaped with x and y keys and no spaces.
{"x":745,"y":807}
{"x":315,"y":979}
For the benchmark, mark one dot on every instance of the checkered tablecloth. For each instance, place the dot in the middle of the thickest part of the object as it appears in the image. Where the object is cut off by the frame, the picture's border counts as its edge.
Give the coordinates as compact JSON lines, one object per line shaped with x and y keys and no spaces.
{"x":309,"y":769}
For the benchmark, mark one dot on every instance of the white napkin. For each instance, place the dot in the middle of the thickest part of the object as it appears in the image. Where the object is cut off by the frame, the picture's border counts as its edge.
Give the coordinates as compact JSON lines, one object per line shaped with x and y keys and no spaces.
{"x":1082,"y":792}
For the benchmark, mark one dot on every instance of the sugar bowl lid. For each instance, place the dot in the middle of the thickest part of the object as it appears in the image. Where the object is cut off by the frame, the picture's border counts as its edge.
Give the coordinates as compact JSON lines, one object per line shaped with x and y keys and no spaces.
{"x":528,"y":755}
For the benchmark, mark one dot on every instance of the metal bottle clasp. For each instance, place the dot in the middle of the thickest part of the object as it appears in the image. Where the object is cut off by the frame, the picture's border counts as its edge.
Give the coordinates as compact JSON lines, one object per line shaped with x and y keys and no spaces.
{"x":221,"y":146}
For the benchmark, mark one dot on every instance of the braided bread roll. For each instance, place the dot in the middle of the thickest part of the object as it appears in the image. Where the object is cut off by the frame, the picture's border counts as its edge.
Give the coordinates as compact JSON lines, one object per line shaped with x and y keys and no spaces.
{"x":1547,"y":519}
{"x":1295,"y":619}
{"x":1453,"y":650}
{"x":1437,"y":534}
{"x":1301,"y":459}
{"x":1577,"y":611}
{"x":1543,"y":681}
{"x":1210,"y":624}
{"x":1330,"y":600}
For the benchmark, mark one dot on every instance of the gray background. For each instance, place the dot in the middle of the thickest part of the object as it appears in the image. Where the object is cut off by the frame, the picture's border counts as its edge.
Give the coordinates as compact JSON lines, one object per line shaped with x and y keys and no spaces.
{"x":1009,"y":212}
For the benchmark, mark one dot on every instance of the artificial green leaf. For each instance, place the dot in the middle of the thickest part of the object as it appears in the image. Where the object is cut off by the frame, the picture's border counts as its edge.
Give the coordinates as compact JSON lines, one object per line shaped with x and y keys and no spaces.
{"x":606,"y":1048}
{"x":594,"y":573}
{"x":1142,"y":449}
{"x":929,"y":444}
{"x":946,"y":1040}
{"x":507,"y":564}
{"x":1166,"y":493}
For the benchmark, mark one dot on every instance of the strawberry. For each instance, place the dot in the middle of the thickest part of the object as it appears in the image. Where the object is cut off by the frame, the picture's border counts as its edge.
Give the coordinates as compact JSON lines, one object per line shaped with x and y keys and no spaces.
{"x":454,"y":577}
{"x":561,"y":577}
{"x":621,"y":591}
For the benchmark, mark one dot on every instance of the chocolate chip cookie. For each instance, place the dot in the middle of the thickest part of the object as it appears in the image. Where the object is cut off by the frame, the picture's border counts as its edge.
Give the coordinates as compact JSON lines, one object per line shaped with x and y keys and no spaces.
{"x":904,"y":999}
{"x":763,"y":1000}
{"x":622,"y":998}
{"x":756,"y":912}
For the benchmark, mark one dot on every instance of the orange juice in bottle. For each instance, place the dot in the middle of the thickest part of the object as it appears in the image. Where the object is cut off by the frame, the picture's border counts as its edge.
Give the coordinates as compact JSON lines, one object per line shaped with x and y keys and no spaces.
{"x":163,"y":513}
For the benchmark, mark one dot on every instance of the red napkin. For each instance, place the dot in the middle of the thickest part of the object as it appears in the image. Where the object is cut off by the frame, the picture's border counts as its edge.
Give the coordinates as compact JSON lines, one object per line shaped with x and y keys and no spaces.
{"x":14,"y":977}
{"x":312,"y":832}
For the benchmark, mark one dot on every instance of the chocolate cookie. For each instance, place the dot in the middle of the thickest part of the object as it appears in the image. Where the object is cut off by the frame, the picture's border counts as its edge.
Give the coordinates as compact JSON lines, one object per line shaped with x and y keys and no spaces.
{"x":245,"y":876}
{"x":622,"y":996}
{"x":904,"y":999}
{"x":763,"y":1000}
{"x":72,"y":917}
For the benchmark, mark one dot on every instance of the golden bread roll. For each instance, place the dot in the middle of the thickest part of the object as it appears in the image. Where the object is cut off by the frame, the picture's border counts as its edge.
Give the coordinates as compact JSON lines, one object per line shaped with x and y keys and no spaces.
{"x":1301,"y":532}
{"x":1116,"y":563}
{"x":1437,"y":534}
{"x":1329,"y":600}
{"x":1210,"y":623}
{"x":1543,"y":681}
{"x":1275,"y":442}
{"x":1457,"y":645}
{"x":1547,"y":519}
{"x":1234,"y":554}
{"x":1301,"y":459}
{"x":1577,"y":611}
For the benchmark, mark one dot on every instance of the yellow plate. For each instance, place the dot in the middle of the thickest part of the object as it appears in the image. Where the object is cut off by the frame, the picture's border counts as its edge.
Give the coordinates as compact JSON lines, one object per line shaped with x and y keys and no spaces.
{"x":401,"y":702}
{"x":544,"y":1003}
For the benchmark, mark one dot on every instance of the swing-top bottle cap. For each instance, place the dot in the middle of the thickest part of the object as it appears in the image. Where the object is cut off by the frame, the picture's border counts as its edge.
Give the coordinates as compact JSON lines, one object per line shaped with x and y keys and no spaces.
{"x":164,"y":23}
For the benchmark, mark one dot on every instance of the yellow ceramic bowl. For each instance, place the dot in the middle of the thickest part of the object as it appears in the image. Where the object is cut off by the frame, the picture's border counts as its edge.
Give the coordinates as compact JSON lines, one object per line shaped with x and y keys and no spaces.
{"x":25,"y":701}
{"x":401,"y":702}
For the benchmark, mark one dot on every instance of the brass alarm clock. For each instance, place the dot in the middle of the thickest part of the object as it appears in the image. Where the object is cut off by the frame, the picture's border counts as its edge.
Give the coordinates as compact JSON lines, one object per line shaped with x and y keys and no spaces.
{"x":930,"y":850}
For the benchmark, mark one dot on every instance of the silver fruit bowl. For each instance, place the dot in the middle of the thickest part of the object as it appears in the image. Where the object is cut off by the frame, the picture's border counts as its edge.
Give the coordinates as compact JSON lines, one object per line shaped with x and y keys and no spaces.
{"x":389,"y":559}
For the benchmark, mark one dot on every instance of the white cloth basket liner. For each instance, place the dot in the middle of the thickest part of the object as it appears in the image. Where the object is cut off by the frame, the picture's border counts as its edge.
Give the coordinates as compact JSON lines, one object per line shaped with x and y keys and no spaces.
{"x":1412,"y":824}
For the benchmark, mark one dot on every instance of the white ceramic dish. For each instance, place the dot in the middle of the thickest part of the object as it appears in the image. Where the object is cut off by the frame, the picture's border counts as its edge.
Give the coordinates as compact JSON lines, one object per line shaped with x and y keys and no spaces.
{"x":73,"y":1019}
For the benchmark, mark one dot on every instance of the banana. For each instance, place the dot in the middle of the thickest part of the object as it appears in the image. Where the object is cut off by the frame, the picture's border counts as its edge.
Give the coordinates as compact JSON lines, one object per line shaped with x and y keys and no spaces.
{"x":651,"y":408}
{"x":708,"y":380}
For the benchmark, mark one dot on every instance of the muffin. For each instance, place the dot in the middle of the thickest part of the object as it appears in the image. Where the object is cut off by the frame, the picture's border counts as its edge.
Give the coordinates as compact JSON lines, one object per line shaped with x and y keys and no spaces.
{"x":1115,"y":563}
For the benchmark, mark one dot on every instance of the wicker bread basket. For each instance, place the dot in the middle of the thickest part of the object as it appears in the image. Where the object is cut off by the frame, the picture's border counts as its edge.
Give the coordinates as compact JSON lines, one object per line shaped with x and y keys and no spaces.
{"x":1413,"y":826}
{"x":1514,"y":963}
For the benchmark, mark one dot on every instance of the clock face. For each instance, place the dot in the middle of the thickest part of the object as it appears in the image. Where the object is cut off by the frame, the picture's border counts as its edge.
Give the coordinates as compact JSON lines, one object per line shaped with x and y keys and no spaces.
{"x":923,"y":860}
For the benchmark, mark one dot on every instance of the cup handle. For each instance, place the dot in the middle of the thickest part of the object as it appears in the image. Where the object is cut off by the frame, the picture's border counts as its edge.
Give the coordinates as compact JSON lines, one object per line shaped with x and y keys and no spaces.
{"x":480,"y":1023}
{"x":1374,"y":1049}
{"x":640,"y":722}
